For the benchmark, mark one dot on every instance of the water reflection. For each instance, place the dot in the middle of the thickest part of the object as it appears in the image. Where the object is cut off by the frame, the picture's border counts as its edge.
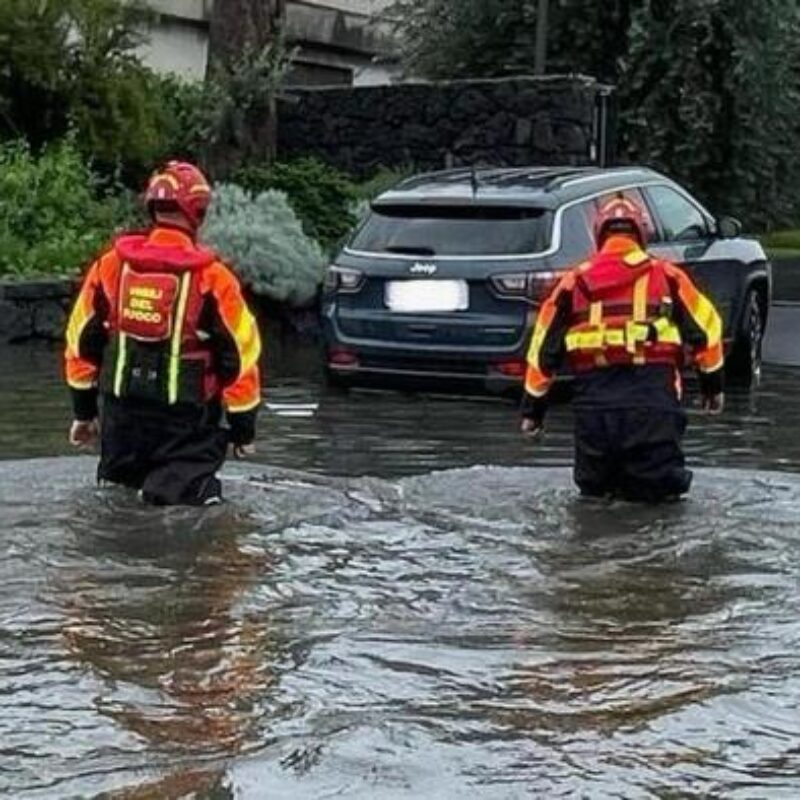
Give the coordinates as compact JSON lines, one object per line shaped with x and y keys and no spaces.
{"x":477,"y":630}
{"x":154,"y":611}
{"x":391,"y":434}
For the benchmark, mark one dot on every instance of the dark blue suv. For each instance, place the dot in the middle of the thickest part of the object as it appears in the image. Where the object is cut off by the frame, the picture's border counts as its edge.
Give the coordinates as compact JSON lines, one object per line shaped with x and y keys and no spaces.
{"x":441,"y":281}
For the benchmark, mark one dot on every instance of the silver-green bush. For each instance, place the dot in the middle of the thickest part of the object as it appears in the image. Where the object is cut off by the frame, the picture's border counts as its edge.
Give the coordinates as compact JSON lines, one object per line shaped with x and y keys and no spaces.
{"x":262,"y":238}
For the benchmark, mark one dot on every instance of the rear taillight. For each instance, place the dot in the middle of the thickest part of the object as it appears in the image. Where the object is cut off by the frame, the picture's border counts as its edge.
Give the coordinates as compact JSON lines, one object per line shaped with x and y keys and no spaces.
{"x":343,"y":279}
{"x":515,"y":283}
{"x":511,"y":368}
{"x":342,"y":358}
{"x":533,"y":286}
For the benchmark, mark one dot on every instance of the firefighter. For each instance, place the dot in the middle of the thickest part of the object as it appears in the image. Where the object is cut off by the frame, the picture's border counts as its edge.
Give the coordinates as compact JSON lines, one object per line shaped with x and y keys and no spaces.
{"x":623,"y":324}
{"x":161,"y":332}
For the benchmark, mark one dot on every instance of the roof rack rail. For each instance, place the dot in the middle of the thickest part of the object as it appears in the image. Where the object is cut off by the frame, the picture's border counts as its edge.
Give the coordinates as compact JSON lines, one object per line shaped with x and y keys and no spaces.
{"x":600,"y":174}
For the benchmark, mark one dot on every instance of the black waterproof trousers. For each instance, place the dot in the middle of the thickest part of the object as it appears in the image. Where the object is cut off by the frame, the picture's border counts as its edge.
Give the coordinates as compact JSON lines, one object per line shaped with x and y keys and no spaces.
{"x":171,"y":455}
{"x":629,"y":425}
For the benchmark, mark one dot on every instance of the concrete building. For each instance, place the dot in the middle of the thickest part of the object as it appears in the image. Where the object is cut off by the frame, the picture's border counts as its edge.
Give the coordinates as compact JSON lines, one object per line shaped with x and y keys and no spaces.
{"x":338,"y":42}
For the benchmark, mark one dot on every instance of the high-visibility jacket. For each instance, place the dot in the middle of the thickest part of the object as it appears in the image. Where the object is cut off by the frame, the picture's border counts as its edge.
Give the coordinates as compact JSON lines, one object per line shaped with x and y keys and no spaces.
{"x":161,"y":319}
{"x":622,"y":307}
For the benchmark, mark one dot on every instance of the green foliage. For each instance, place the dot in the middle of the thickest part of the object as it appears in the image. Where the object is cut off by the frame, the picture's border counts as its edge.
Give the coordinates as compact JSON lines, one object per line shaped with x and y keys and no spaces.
{"x":710,"y":93}
{"x":263,"y":239}
{"x":237,"y":115}
{"x":782,"y":244}
{"x":382,"y":180}
{"x":320,"y":195}
{"x":70,"y":65}
{"x":54,"y":213}
{"x":467,"y":38}
{"x":708,"y":89}
{"x":782,"y":240}
{"x":184,"y":127}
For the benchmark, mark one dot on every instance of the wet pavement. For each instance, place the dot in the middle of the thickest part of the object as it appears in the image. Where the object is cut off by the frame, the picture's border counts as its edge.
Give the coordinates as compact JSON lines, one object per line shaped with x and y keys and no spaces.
{"x":403,"y":599}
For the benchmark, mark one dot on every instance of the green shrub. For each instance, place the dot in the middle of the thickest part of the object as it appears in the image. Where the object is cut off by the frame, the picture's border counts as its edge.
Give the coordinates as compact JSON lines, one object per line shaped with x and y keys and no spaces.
{"x":185,"y":129}
{"x":782,"y":240}
{"x":71,"y":65}
{"x":321,"y":196}
{"x":263,"y":239}
{"x":383,"y":180}
{"x":54,"y":213}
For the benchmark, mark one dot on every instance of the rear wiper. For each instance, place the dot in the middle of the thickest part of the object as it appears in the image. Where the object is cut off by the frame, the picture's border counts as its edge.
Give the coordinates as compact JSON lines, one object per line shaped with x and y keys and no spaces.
{"x":411,"y":251}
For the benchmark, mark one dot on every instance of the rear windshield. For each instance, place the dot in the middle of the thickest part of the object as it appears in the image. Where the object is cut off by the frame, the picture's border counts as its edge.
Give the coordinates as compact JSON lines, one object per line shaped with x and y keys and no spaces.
{"x":454,"y":231}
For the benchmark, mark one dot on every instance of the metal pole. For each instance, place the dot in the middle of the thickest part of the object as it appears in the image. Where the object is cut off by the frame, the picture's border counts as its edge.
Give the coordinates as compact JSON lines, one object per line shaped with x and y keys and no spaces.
{"x":540,"y":62}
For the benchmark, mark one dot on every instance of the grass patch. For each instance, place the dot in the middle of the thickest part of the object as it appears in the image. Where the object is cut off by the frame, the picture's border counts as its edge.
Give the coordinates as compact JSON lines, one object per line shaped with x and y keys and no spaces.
{"x":782,"y":240}
{"x":782,"y":255}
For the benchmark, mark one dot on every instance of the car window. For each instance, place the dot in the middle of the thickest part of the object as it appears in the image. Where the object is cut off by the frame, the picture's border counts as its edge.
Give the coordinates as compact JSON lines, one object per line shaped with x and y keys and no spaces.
{"x":454,"y":231}
{"x":577,"y":239}
{"x":681,"y":220}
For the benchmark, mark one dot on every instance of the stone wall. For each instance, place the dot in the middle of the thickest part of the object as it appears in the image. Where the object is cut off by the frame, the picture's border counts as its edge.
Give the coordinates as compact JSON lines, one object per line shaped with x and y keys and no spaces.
{"x":521,"y":121}
{"x":34,"y":309}
{"x":38,"y":309}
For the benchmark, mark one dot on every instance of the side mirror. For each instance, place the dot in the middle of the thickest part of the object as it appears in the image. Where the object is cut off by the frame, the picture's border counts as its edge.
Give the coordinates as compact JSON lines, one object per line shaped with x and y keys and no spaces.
{"x":728,"y":228}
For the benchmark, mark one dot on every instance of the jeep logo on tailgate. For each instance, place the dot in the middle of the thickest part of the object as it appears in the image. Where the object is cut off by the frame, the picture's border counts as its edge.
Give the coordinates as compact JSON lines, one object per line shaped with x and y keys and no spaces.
{"x":423,"y":269}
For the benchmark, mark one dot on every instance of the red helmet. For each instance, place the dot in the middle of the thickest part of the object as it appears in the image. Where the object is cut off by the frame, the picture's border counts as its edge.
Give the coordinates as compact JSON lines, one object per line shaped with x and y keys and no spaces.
{"x":180,"y":185}
{"x":623,"y":216}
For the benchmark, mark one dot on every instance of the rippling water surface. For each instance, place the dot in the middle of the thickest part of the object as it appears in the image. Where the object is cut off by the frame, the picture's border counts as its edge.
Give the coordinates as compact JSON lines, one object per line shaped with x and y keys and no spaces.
{"x":402,"y":600}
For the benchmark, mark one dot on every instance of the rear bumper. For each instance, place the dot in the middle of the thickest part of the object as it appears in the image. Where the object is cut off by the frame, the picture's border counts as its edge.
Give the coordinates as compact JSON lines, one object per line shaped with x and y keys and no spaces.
{"x":413,"y":369}
{"x":454,"y":366}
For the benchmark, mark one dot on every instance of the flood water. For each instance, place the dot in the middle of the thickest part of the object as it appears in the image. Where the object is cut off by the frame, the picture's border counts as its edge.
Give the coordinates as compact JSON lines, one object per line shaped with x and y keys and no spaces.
{"x":403,"y":599}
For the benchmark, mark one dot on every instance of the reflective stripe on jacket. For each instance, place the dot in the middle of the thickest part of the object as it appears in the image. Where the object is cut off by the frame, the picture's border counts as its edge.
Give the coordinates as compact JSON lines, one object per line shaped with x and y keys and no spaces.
{"x":622,"y":308}
{"x":161,"y":318}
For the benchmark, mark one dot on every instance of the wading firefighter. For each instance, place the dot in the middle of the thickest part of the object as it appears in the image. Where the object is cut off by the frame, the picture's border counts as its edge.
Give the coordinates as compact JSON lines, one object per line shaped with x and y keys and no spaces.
{"x":161,"y":332}
{"x":623,"y":324}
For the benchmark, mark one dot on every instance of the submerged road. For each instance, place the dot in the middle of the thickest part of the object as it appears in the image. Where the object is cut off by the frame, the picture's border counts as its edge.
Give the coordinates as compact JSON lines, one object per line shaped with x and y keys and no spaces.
{"x":471,"y":632}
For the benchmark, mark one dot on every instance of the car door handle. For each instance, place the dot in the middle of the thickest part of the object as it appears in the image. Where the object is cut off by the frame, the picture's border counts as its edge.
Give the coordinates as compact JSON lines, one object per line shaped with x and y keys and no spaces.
{"x":424,"y":330}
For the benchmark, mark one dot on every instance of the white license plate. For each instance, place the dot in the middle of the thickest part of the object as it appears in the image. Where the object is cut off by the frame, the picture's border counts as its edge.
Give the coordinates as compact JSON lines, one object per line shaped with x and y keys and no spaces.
{"x":427,"y":296}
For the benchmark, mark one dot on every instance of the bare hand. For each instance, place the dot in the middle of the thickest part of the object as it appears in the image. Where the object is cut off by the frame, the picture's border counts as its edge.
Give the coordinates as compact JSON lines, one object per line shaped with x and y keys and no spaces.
{"x":241,"y":451}
{"x":531,"y":427}
{"x":83,"y":434}
{"x":714,"y":404}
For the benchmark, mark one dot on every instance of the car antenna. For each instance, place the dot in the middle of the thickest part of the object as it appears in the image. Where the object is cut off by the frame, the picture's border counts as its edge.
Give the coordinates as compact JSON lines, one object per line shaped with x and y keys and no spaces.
{"x":474,"y":180}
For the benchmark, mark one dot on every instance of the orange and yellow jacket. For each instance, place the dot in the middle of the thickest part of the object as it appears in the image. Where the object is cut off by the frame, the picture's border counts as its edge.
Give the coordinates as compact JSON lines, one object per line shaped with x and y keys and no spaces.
{"x":160,"y":319}
{"x":623,"y":308}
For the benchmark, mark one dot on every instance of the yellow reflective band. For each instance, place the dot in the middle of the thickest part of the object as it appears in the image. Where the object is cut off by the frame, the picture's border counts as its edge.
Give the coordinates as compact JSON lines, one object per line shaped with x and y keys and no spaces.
{"x":635,"y":335}
{"x":708,"y":319}
{"x":666,"y":331}
{"x":246,"y":336}
{"x":635,"y":258}
{"x":177,"y":338}
{"x":77,"y":324}
{"x":119,"y":373}
{"x":640,"y":298}
{"x":539,"y":335}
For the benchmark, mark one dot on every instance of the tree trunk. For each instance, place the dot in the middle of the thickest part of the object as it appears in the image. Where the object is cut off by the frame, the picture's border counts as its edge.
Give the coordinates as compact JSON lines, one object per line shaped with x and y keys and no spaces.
{"x":237,"y":25}
{"x":241,"y":29}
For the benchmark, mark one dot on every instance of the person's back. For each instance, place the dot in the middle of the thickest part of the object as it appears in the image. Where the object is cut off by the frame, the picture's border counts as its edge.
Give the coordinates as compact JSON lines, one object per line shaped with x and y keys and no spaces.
{"x":622,"y":322}
{"x":162,"y":333}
